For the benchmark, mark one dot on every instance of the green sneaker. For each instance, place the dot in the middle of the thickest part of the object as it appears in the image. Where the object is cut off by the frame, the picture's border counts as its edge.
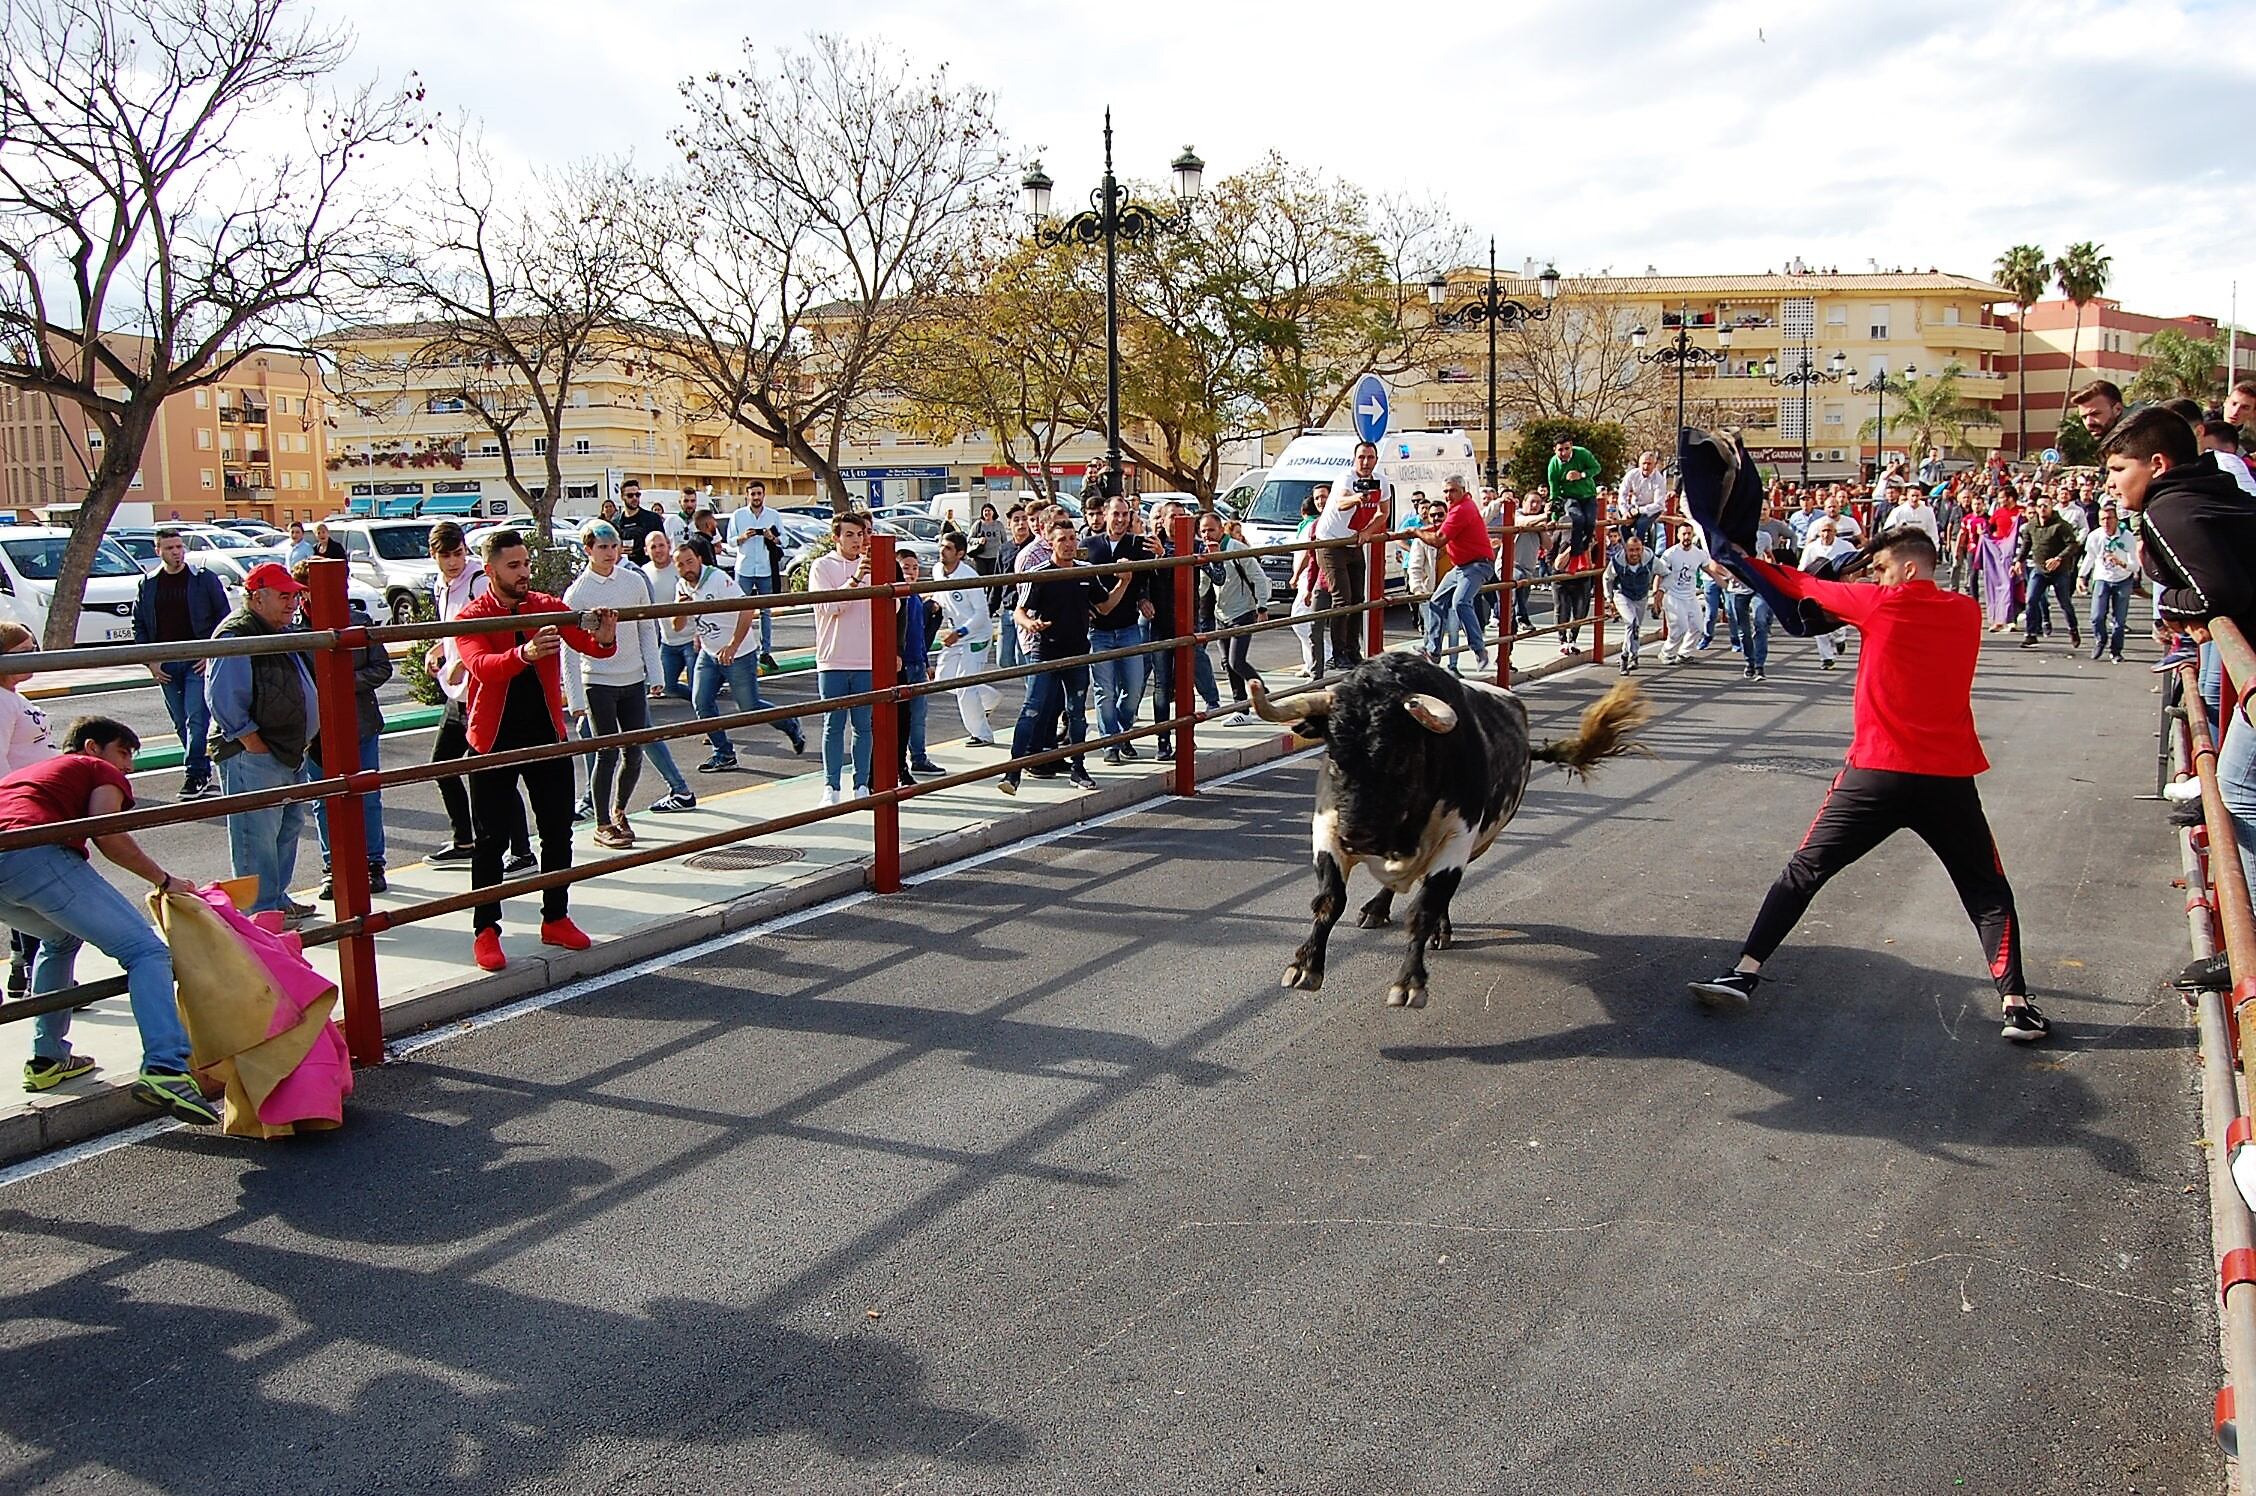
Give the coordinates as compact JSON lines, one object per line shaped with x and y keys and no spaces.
{"x":175,"y":1093}
{"x":45,"y":1075}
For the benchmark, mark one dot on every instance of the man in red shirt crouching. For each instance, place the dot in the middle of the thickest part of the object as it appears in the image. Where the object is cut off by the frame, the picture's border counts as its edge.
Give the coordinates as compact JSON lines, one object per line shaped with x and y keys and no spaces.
{"x":1911,"y":764}
{"x":516,"y":700}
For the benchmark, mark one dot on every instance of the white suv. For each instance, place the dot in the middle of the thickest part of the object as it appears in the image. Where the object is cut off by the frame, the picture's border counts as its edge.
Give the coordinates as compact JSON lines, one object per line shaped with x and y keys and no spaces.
{"x":394,"y":557}
{"x":30,"y":555}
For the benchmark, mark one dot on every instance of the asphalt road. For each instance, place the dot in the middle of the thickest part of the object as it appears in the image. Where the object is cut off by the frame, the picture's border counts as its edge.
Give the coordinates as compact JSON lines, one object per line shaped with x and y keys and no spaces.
{"x":1031,"y":1179}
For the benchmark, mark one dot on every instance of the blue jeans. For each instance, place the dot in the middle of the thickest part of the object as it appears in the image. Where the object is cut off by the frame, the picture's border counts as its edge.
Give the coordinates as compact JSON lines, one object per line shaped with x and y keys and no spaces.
{"x":263,"y":842}
{"x":1119,"y":684}
{"x":53,"y":893}
{"x":845,"y":683}
{"x":2236,"y":783}
{"x":1716,"y":610}
{"x":1460,"y":599}
{"x":2111,"y":611}
{"x":760,"y":587}
{"x":674,"y":662}
{"x":914,"y":672}
{"x":1066,"y":688}
{"x":183,"y":688}
{"x":1163,"y":684}
{"x":371,"y":806}
{"x":1750,"y":623}
{"x":1007,"y":652}
{"x":743,"y":675}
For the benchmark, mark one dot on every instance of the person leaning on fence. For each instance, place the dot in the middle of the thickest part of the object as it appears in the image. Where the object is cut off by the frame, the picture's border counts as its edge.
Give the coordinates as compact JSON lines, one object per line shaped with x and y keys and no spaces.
{"x":1056,"y":610}
{"x":1422,"y":568}
{"x":372,"y":666}
{"x":967,"y":634}
{"x":178,"y":603}
{"x":1234,"y":586}
{"x":1118,"y":685}
{"x":1164,"y":625}
{"x":461,"y":580}
{"x":916,"y":623}
{"x":1358,"y":510}
{"x":722,"y":656}
{"x":516,"y":700}
{"x":842,"y":651}
{"x":1464,"y":539}
{"x":52,"y":891}
{"x":1310,"y":594}
{"x":613,"y":695}
{"x":265,"y":712}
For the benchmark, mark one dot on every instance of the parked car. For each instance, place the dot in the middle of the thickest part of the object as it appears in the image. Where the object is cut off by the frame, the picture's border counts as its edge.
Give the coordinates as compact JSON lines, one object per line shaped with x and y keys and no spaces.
{"x":216,"y":538}
{"x":233,"y":567}
{"x":260,"y":532}
{"x":394,"y":557}
{"x":140,"y":544}
{"x":31,"y":555}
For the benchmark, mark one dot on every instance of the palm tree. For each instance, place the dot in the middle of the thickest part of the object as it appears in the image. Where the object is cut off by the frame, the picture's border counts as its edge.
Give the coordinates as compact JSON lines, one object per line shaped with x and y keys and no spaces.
{"x":2178,"y":364}
{"x":2022,"y":271}
{"x":2083,"y":275}
{"x":1932,"y":411}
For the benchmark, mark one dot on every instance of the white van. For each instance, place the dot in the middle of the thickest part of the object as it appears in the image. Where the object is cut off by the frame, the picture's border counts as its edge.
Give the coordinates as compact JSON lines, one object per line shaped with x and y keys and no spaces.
{"x":1409,"y":462}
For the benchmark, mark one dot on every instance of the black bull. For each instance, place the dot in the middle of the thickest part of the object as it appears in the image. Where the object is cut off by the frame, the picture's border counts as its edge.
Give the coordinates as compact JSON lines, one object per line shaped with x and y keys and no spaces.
{"x":1421,"y":773}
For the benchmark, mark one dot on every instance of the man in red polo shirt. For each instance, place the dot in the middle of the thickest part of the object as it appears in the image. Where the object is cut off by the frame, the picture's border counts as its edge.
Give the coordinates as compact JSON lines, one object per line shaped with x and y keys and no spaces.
{"x":1911,"y":764}
{"x":516,"y":700}
{"x":1463,"y":536}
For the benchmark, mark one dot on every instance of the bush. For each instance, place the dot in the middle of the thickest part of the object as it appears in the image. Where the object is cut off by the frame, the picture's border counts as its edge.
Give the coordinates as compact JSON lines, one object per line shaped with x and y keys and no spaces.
{"x":422,"y":685}
{"x":1531,"y":449}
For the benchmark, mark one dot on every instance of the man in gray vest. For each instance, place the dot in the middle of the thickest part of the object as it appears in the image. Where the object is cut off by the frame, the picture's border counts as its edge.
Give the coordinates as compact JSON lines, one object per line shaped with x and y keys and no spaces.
{"x":264,"y":712}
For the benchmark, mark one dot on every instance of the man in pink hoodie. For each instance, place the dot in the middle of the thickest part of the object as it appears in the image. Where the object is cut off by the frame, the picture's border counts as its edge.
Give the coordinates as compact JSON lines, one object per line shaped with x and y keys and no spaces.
{"x":842,"y":650}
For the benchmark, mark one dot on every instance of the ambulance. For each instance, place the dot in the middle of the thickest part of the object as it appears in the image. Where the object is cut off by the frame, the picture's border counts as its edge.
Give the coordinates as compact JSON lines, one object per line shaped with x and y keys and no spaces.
{"x":1409,"y":462}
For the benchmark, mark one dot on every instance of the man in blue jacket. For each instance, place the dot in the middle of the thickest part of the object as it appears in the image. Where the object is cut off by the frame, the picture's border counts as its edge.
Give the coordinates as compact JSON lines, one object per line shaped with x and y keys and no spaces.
{"x":177,"y":603}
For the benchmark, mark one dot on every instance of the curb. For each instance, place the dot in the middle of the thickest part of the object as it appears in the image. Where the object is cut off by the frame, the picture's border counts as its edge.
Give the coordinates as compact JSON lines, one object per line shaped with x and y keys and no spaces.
{"x":75,"y":1119}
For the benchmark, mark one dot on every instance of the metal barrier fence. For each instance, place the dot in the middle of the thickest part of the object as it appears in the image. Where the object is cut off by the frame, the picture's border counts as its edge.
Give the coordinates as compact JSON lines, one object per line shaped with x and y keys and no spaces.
{"x":2219,"y":916}
{"x":332,"y":639}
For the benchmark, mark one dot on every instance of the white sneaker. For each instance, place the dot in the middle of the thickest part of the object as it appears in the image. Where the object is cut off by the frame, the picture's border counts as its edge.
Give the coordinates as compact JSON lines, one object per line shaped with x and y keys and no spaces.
{"x":1240,"y":719}
{"x":830,"y":795}
{"x":2182,"y":790}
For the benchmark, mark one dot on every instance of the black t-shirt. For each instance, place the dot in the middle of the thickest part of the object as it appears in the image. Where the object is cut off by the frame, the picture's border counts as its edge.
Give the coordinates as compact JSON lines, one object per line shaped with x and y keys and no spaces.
{"x":525,"y":718}
{"x":171,"y":624}
{"x":635,"y":527}
{"x":1066,"y":603}
{"x":1102,"y":551}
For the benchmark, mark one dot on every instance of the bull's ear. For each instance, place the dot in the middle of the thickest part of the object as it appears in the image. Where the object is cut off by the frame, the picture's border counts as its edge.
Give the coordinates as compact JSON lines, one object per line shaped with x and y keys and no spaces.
{"x":1433,"y":714}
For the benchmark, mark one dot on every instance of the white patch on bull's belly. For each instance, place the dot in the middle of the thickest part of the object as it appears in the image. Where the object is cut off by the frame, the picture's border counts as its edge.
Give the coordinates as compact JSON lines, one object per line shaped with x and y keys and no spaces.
{"x":1448,"y":842}
{"x":1325,"y":838}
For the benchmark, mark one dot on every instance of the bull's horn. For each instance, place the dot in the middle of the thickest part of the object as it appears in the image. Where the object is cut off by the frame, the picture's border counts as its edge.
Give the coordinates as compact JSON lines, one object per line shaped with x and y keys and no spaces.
{"x":1433,"y":714}
{"x":1291,"y":709}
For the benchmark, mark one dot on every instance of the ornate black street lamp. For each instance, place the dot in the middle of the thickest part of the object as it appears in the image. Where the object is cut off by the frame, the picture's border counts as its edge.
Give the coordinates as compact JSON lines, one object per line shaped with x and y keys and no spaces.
{"x":1496,"y":310}
{"x":1681,"y":354}
{"x":1878,"y":385}
{"x":1802,"y":376}
{"x":1111,"y":219}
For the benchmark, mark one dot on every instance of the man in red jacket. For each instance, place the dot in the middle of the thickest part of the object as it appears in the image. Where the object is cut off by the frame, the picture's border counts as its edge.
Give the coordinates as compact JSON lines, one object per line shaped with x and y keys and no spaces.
{"x":516,"y":700}
{"x":1911,"y":764}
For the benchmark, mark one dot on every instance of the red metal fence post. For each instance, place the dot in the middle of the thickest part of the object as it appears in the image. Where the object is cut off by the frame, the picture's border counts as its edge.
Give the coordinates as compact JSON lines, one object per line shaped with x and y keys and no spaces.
{"x":885,"y":734}
{"x":1184,"y":580}
{"x":348,"y":836}
{"x":1507,"y":605}
{"x":1375,"y":591}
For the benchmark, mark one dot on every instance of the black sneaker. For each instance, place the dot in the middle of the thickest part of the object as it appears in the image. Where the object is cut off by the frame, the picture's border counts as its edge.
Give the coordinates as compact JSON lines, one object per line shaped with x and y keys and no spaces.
{"x":1761,"y":674}
{"x":327,"y":891}
{"x":1079,"y":778}
{"x":377,"y":882}
{"x":1732,"y":989}
{"x":717,"y":765}
{"x":768,"y":663}
{"x":2186,"y":813}
{"x":1128,"y":750}
{"x":583,"y":810}
{"x":2024,"y":1024}
{"x":2209,"y":974}
{"x":1165,"y":753}
{"x":459,"y":852}
{"x":1044,"y":771}
{"x":1112,"y":756}
{"x":522,"y":862}
{"x":2030,"y":642}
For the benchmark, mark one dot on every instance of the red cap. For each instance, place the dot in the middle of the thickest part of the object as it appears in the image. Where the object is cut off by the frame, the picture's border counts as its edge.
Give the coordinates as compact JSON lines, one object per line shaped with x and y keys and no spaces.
{"x":272,"y":574}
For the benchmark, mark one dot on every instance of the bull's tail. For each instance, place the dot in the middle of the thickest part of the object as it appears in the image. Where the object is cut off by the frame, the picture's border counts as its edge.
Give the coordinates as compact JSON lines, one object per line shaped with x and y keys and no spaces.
{"x":1608,"y":730}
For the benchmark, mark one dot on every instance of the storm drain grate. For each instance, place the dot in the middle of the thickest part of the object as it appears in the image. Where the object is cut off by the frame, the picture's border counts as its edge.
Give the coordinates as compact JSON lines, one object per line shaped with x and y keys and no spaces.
{"x":742,"y":859}
{"x":1825,"y":766}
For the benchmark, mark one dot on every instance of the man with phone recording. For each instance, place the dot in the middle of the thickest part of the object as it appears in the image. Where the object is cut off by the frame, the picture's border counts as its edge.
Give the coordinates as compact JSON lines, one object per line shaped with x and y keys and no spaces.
{"x":1359,"y":509}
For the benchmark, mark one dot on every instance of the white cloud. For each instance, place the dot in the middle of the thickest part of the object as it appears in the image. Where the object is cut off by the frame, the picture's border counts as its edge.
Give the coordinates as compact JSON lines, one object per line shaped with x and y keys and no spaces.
{"x":1722,"y":136}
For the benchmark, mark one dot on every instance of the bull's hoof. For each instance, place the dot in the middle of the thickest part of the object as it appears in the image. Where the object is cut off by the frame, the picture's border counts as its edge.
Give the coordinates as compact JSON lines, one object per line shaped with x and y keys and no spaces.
{"x":1306,"y":978}
{"x":1440,"y":939}
{"x":1406,"y":995}
{"x":1373,"y":919}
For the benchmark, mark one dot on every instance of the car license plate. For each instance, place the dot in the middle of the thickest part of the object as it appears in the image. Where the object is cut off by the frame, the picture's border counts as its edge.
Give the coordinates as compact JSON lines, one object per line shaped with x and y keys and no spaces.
{"x":120,"y":635}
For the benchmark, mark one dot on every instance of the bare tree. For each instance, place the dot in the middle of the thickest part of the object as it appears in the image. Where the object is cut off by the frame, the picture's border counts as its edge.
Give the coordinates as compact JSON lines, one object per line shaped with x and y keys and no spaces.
{"x":518,"y":294}
{"x":1579,"y":364}
{"x":144,"y":248}
{"x":1015,"y":358}
{"x":825,"y":201}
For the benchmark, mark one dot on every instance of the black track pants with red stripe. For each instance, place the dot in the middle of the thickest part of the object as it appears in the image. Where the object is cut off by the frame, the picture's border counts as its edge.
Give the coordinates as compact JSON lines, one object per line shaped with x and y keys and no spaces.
{"x":1863,"y":809}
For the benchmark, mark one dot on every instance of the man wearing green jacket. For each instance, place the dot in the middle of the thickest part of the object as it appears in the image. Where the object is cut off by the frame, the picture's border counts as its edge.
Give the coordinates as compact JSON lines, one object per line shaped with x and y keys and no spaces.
{"x":1573,"y":480}
{"x":2050,"y":548}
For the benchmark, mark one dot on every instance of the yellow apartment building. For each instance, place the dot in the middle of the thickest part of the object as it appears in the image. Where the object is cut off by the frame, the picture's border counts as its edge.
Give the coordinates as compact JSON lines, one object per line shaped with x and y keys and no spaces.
{"x":403,"y":441}
{"x":1877,"y":321}
{"x":254,"y":445}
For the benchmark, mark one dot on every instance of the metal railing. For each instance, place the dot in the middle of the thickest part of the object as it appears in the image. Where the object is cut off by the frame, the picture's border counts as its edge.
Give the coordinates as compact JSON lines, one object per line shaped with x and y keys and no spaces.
{"x":2219,"y":916}
{"x":332,"y":640}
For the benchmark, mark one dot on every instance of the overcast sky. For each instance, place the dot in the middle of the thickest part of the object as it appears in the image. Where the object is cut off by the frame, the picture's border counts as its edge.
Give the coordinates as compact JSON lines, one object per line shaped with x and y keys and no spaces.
{"x":1727,"y":136}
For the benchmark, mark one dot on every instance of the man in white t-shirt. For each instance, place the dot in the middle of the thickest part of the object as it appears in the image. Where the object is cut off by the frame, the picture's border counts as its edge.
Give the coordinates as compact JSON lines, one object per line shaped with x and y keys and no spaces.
{"x":1644,"y":496}
{"x":750,"y":531}
{"x":1916,"y":513}
{"x":1360,"y":506}
{"x":1681,"y":569}
{"x":1845,"y":526}
{"x":967,"y":630}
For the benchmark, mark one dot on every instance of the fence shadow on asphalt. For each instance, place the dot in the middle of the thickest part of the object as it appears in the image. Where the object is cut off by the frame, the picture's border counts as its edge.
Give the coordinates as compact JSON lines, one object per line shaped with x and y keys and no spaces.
{"x":1856,"y":1043}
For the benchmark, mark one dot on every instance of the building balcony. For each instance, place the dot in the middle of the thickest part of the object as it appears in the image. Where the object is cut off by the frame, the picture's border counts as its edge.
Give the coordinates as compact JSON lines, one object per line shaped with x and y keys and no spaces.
{"x":1963,"y":337}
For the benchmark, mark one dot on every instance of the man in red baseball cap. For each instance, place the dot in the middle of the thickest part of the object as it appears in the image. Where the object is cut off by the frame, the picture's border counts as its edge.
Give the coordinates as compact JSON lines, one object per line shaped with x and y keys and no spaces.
{"x":264,"y":713}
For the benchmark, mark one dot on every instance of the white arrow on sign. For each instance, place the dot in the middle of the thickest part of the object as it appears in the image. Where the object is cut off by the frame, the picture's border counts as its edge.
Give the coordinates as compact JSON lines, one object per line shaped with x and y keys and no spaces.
{"x":1370,"y":408}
